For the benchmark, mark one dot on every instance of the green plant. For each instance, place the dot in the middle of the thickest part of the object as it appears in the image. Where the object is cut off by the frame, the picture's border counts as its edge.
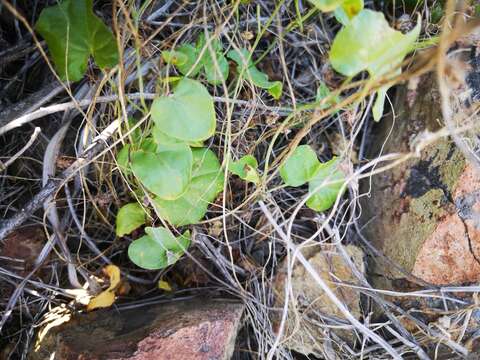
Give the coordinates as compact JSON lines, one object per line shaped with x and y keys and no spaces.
{"x":212,"y":61}
{"x":188,"y":114}
{"x":344,"y":9}
{"x":246,"y":68}
{"x":182,"y":177}
{"x":368,"y":43}
{"x":205,"y":185}
{"x":158,"y":248}
{"x":166,"y":173}
{"x":168,"y":159}
{"x":325,"y":180}
{"x":73,"y":33}
{"x":245,"y":168}
{"x":214,"y":64}
{"x":324,"y":92}
{"x":130,"y":217}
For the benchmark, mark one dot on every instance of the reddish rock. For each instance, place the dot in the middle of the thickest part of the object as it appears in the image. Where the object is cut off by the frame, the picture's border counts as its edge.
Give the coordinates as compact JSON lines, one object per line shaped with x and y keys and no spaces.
{"x":197,"y":329}
{"x":424,"y":214}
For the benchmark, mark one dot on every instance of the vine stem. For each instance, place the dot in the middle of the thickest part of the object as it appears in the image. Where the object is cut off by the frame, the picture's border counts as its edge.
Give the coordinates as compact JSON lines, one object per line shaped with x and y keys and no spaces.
{"x":52,"y":109}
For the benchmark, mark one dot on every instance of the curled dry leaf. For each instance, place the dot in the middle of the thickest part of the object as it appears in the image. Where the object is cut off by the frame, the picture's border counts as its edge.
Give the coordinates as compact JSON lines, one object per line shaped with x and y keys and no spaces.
{"x":107,"y":297}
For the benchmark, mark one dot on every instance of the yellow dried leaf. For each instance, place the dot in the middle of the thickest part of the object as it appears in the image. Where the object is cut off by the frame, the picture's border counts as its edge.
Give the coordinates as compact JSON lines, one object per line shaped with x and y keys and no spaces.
{"x":107,"y":297}
{"x":164,"y":285}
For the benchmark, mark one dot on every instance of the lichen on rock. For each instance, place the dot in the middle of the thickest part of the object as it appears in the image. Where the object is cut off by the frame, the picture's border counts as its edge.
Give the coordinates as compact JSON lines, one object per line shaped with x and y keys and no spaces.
{"x":307,"y":326}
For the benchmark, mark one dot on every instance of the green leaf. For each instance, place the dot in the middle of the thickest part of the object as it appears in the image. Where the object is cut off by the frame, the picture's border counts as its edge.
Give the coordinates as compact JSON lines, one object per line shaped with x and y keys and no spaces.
{"x":165,"y":173}
{"x":123,"y":156}
{"x":167,"y":241}
{"x":217,"y":72}
{"x":122,"y":159}
{"x":326,"y":5}
{"x":205,"y":185}
{"x":326,"y":185}
{"x":184,"y":58}
{"x":249,"y":70}
{"x":377,"y":109}
{"x":214,"y":62}
{"x":323,"y":92}
{"x":347,"y":10}
{"x":245,"y":168}
{"x":162,"y":140}
{"x":369,"y":43}
{"x":173,"y":57}
{"x":129,"y":217}
{"x":300,"y":167}
{"x":188,"y":114}
{"x":158,"y":248}
{"x":73,"y":33}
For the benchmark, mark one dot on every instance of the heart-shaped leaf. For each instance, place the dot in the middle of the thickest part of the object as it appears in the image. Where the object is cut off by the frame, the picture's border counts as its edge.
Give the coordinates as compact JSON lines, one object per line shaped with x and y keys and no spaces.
{"x":300,"y":167}
{"x":129,"y":217}
{"x":188,"y":114}
{"x":73,"y":33}
{"x":206,"y":183}
{"x":165,"y":173}
{"x":326,"y":185}
{"x":158,"y":248}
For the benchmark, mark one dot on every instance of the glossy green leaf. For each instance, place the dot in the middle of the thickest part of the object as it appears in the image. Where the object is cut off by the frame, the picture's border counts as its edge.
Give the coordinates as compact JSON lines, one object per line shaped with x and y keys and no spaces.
{"x":158,"y":248}
{"x":326,"y":185}
{"x":245,"y":168}
{"x":246,"y":67}
{"x":73,"y":33}
{"x":369,"y":43}
{"x":129,"y":217}
{"x":188,"y":114}
{"x":300,"y":167}
{"x":165,"y":173}
{"x":205,"y":185}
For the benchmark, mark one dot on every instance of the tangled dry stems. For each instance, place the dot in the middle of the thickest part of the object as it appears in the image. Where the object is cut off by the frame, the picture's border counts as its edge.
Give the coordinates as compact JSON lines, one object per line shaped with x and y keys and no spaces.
{"x":250,"y":229}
